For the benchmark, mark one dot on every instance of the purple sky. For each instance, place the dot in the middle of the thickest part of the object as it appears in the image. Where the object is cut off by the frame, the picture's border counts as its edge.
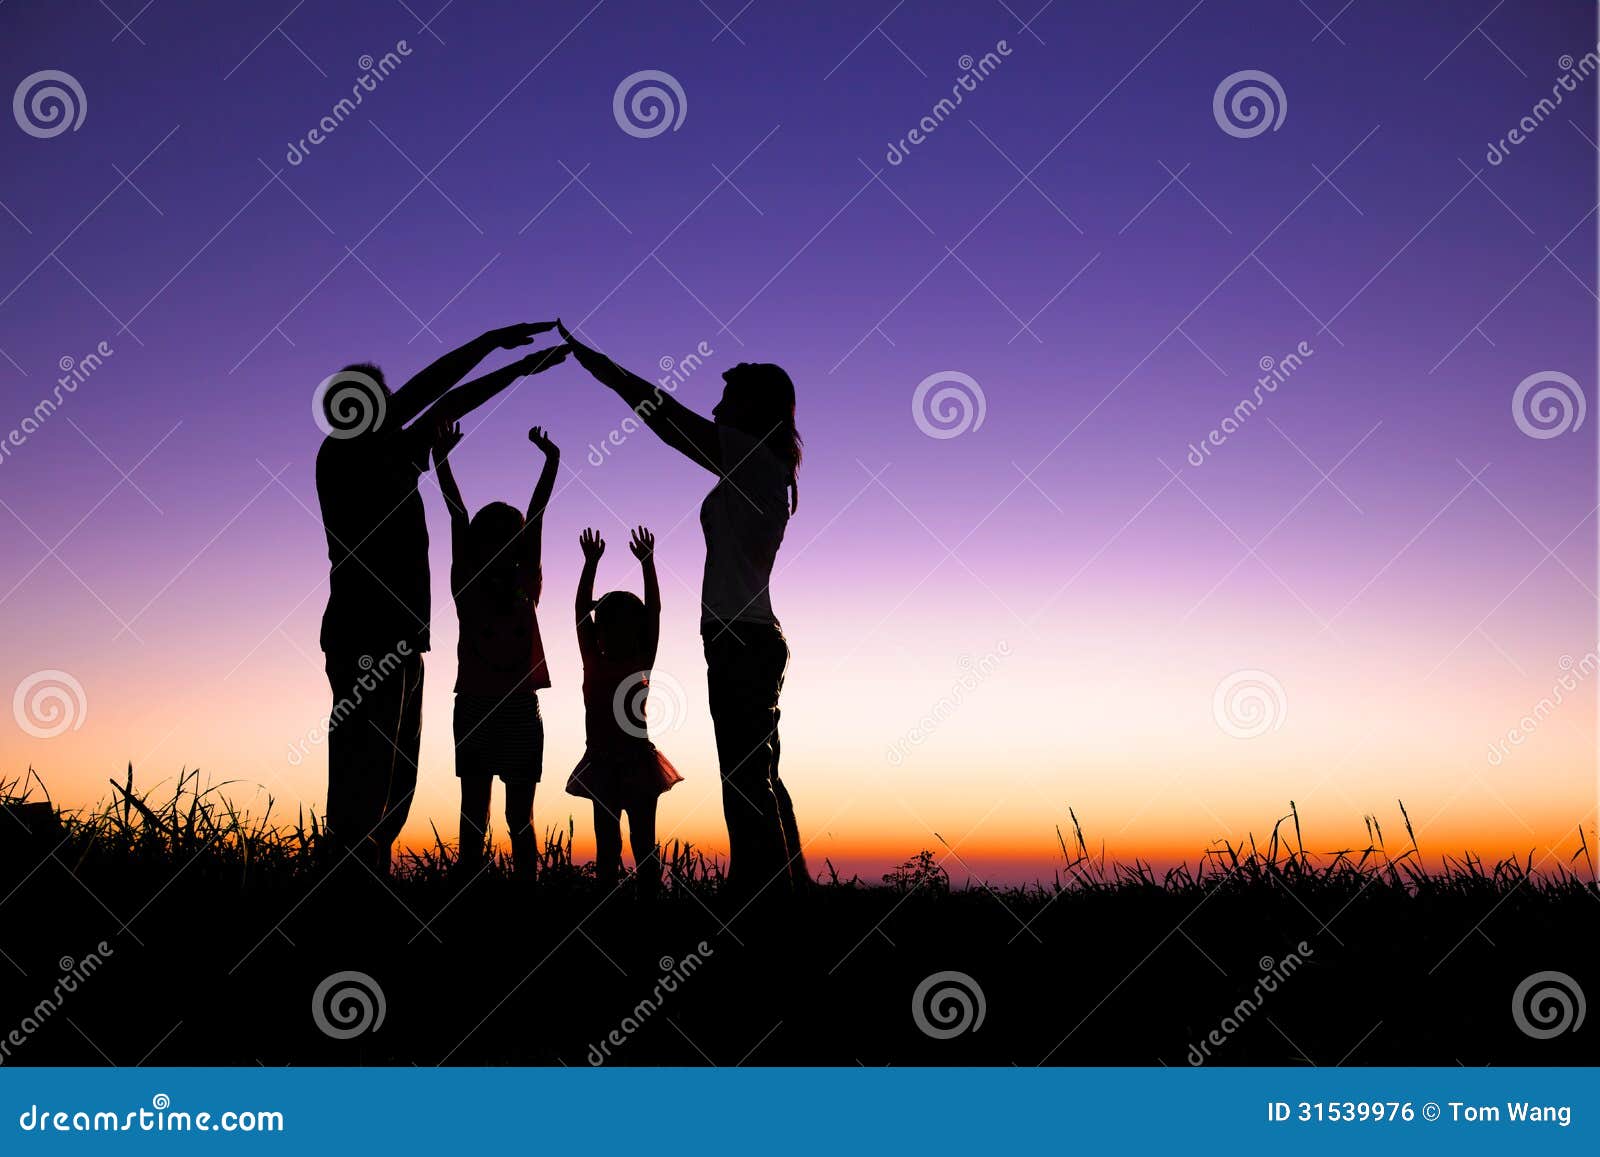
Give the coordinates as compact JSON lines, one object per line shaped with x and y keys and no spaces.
{"x":1080,"y":237}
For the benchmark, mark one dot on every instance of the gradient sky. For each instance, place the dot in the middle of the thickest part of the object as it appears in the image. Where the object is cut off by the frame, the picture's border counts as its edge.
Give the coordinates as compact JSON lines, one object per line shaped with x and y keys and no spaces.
{"x":1080,"y":237}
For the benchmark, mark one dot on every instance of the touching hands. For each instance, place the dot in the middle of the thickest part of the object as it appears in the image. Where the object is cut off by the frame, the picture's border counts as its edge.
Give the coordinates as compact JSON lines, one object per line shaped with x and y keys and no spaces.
{"x":593,"y":545}
{"x":445,"y":439}
{"x":642,"y":543}
{"x":583,"y":353}
{"x":523,"y":333}
{"x":540,"y":437}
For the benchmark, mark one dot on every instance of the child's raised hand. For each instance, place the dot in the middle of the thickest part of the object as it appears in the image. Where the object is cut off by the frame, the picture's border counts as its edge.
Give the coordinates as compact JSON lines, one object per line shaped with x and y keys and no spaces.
{"x":540,"y":437}
{"x":445,"y":439}
{"x":643,"y":544}
{"x":593,"y":545}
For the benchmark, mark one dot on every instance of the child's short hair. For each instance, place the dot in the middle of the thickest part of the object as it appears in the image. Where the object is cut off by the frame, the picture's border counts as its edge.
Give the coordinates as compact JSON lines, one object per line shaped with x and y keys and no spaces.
{"x":621,"y":624}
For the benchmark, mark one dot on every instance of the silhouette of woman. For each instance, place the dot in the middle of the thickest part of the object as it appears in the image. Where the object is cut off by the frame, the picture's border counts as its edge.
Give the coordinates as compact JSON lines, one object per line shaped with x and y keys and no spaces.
{"x":751,"y":444}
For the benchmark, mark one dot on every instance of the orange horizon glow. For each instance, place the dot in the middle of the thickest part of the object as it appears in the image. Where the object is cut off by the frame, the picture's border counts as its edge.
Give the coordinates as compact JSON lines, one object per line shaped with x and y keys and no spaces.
{"x":1130,"y":744}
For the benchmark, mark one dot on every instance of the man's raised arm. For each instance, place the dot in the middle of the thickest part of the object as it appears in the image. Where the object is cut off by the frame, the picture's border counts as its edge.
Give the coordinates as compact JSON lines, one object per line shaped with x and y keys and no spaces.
{"x":430,"y":384}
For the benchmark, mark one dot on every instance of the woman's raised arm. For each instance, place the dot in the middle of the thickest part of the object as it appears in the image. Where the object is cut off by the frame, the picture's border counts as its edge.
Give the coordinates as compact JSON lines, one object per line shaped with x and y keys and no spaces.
{"x":693,"y":436}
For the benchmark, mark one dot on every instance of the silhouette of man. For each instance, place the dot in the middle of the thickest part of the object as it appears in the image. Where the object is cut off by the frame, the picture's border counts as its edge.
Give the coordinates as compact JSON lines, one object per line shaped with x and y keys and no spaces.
{"x":375,"y":628}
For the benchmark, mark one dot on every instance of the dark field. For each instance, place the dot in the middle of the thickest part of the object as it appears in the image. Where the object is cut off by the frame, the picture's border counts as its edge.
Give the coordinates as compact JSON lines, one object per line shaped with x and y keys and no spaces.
{"x":219,"y":929}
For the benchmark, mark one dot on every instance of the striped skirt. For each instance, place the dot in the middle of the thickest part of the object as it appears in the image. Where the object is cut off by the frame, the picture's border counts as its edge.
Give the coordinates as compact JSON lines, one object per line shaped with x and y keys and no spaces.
{"x":501,"y":736}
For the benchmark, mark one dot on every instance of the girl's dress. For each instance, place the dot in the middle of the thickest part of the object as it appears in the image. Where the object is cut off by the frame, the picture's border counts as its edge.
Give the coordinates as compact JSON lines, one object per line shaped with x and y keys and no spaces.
{"x":619,"y":763}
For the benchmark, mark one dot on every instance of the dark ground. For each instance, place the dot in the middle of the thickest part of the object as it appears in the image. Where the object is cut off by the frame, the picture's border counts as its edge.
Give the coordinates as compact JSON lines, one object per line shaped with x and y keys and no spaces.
{"x":215,"y":961}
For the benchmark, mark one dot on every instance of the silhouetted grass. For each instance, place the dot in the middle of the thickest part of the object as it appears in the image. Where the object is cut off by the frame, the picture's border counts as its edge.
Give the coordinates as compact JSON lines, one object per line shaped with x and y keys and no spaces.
{"x":224,"y":920}
{"x":192,"y":822}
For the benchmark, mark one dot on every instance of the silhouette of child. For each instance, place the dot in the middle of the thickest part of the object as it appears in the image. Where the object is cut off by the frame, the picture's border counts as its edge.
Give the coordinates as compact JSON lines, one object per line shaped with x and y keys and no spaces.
{"x":621,"y":770}
{"x":495,"y":579}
